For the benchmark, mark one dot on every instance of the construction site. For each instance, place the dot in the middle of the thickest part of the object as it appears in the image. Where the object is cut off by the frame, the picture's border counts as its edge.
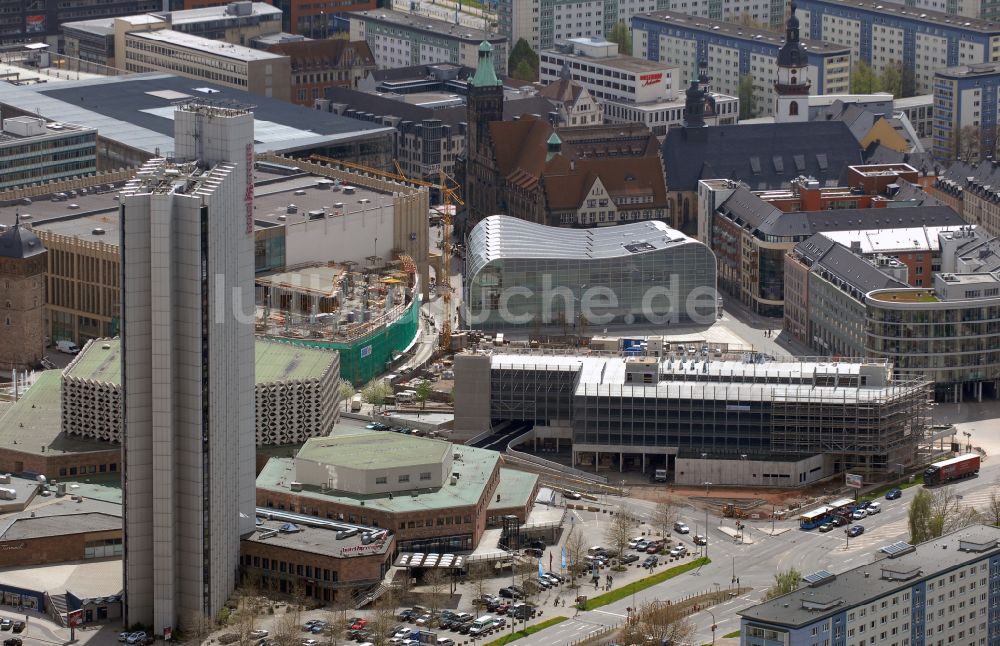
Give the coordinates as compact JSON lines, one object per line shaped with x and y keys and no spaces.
{"x":367,"y":313}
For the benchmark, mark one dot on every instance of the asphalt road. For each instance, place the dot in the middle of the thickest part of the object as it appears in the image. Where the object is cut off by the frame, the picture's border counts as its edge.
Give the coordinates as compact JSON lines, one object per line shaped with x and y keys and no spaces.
{"x":755,"y":564}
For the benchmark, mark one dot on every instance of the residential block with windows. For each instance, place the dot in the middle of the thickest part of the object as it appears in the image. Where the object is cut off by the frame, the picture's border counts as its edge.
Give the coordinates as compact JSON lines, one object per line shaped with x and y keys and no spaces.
{"x":733,"y":51}
{"x":944,"y":591}
{"x":543,"y":22}
{"x":881,"y":34}
{"x":965,"y":111}
{"x":34,"y":151}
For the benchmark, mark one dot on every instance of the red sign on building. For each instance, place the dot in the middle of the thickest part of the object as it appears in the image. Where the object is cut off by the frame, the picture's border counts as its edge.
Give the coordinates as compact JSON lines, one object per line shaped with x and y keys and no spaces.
{"x":650,"y":79}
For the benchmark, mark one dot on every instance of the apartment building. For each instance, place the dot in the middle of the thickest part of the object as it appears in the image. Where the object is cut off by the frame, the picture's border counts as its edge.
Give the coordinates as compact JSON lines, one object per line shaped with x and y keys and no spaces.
{"x":239,"y":23}
{"x":733,"y":51}
{"x":312,"y":18}
{"x":34,"y":151}
{"x":541,"y":23}
{"x":965,"y":111}
{"x":318,"y":66}
{"x":942,"y":591}
{"x":885,"y":33}
{"x":629,"y":89}
{"x":235,"y":66}
{"x":399,"y":39}
{"x":42,"y":19}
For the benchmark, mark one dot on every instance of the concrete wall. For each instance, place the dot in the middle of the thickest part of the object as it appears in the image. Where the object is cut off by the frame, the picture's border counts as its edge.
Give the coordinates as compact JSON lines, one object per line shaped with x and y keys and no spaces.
{"x":364,"y":481}
{"x":472,"y":395}
{"x":761,"y":473}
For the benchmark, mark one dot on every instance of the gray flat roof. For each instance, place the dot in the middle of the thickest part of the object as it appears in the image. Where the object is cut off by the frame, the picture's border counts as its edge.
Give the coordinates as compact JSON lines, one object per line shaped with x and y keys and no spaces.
{"x":131,"y":109}
{"x":219,"y":12}
{"x":52,"y":516}
{"x":439,"y":28}
{"x":618,"y":61}
{"x":735,"y":30}
{"x":312,"y":540}
{"x":217,"y":48}
{"x":868,"y":582}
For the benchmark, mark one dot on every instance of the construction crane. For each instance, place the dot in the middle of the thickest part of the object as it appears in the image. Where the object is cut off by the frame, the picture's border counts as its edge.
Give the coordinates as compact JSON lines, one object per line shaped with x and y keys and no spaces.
{"x":449,"y":195}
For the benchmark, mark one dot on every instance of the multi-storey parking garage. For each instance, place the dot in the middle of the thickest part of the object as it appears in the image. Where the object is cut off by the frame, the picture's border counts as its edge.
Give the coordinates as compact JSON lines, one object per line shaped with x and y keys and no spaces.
{"x":740,"y":421}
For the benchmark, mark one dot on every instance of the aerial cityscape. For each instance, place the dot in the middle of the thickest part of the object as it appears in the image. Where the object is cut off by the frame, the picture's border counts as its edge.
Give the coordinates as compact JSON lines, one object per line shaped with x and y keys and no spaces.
{"x":480,"y":322}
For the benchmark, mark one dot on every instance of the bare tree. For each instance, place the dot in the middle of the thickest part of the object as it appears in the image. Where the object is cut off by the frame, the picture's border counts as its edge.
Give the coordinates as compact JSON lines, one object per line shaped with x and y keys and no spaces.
{"x":619,"y":532}
{"x":527,"y":577}
{"x":658,"y":623}
{"x":479,"y":578}
{"x":285,"y":631}
{"x":245,"y":615}
{"x":437,"y":588}
{"x":664,"y":517}
{"x":336,"y":623}
{"x":576,"y":548}
{"x":197,"y":625}
{"x":298,"y":602}
{"x":950,"y":514}
{"x":383,"y":618}
{"x":992,"y":513}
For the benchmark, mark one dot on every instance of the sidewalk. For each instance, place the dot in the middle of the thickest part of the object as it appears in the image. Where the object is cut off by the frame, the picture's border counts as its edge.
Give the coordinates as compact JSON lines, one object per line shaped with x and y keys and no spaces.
{"x":741,"y":538}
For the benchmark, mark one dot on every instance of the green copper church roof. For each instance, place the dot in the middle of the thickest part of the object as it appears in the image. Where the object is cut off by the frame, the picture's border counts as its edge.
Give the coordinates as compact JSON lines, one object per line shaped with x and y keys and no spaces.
{"x":486,"y":75}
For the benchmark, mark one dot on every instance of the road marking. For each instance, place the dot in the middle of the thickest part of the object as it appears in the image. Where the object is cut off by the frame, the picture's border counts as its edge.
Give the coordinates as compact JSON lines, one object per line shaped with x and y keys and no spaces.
{"x":613,"y":614}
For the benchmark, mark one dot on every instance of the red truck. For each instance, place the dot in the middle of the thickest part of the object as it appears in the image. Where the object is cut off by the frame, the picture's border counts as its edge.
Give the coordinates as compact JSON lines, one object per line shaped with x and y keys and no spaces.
{"x":952,"y":469}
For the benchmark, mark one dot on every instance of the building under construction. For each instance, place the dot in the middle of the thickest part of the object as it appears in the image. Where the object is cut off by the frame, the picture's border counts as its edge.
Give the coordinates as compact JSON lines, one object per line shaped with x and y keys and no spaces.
{"x":367,"y":313}
{"x":747,"y":420}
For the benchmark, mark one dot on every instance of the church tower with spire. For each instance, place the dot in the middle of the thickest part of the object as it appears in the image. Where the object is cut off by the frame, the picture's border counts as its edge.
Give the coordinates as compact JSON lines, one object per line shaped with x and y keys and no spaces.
{"x":23,"y":262}
{"x":484,"y":105}
{"x":792,"y":86}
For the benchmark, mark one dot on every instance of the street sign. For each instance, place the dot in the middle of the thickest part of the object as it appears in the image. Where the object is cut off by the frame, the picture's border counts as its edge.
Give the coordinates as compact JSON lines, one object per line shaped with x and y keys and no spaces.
{"x":74,"y":618}
{"x":854,"y":481}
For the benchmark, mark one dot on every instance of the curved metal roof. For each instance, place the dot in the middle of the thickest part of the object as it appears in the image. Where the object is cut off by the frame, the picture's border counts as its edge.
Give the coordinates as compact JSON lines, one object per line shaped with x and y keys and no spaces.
{"x":500,"y":237}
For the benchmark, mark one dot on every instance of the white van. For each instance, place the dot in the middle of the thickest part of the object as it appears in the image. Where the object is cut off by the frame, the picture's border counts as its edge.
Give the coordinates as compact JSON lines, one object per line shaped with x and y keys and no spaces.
{"x":67,"y":347}
{"x":405,"y":396}
{"x":356,"y":403}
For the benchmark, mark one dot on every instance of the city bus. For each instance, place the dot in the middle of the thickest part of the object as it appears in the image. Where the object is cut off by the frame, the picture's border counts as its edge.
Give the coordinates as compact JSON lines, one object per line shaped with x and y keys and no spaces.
{"x":815,"y":518}
{"x":842,"y":506}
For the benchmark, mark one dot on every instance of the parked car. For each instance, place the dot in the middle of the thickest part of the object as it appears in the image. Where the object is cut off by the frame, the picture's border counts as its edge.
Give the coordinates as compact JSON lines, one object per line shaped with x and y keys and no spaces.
{"x":855,"y":530}
{"x":826,"y":527}
{"x":681,"y":528}
{"x":5,"y":623}
{"x":700,"y":539}
{"x":18,"y":626}
{"x":629,"y":558}
{"x":859,"y":514}
{"x":123,"y":637}
{"x":508,"y":593}
{"x":357,"y":625}
{"x":635,"y":542}
{"x":642,"y":545}
{"x":572,"y":495}
{"x":12,"y":641}
{"x":678,"y":551}
{"x":893,"y":494}
{"x":839,"y":521}
{"x":538,"y":545}
{"x":310,"y":642}
{"x":534,"y":551}
{"x":654,"y":548}
{"x":650,"y":561}
{"x":136,"y":638}
{"x":258,"y":634}
{"x":874,"y":508}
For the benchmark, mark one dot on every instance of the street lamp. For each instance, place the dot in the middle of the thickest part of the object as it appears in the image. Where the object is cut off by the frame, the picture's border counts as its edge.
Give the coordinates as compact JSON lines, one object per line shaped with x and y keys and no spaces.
{"x":713,"y":624}
{"x":968,"y":441}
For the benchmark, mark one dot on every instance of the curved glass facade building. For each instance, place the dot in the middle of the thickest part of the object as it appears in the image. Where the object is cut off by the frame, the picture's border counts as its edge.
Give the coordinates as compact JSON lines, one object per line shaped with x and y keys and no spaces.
{"x":521,"y":274}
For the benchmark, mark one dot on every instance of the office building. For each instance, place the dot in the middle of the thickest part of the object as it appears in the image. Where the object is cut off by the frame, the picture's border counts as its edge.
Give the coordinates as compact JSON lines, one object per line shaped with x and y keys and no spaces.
{"x":941,"y":590}
{"x":319,"y":66}
{"x":121,"y":108}
{"x":22,"y":292}
{"x":522,"y":274}
{"x":235,"y":66}
{"x":629,"y":89}
{"x":747,"y":230}
{"x":733,"y":51}
{"x":706,"y":416}
{"x":33,"y":151}
{"x":187,"y":267}
{"x":41,"y":21}
{"x":432,"y":495}
{"x":92,"y":42}
{"x":399,"y":39}
{"x":881,"y":34}
{"x":940,"y":331}
{"x":295,"y":392}
{"x":541,"y":23}
{"x":965,"y":111}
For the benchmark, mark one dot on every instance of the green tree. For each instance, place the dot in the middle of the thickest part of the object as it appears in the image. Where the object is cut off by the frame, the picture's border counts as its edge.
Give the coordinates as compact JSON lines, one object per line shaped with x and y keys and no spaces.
{"x":345,"y":390}
{"x":522,"y":53}
{"x":620,"y":34}
{"x":424,"y":392}
{"x":784,"y":582}
{"x":920,"y":517}
{"x":523,"y":72}
{"x":748,"y":109}
{"x":891,"y":79}
{"x":863,"y":79}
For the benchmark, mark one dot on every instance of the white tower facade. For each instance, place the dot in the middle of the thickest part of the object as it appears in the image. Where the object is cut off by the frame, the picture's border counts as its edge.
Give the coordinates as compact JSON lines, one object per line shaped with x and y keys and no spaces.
{"x":188,"y":369}
{"x":792,"y":85}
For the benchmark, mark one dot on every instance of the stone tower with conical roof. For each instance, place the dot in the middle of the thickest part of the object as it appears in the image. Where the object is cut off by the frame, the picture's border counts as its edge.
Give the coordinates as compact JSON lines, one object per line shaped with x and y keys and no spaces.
{"x":23,"y":262}
{"x":792,"y":85}
{"x":484,"y":104}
